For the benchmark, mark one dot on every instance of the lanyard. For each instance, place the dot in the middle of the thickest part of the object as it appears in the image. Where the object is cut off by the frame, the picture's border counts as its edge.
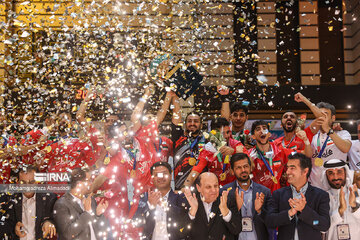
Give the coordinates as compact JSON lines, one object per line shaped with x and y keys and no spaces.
{"x":192,"y":145}
{"x":132,"y":156}
{"x":5,"y":141}
{"x":264,"y":160}
{"x":283,"y":142}
{"x":158,"y":150}
{"x":323,"y":146}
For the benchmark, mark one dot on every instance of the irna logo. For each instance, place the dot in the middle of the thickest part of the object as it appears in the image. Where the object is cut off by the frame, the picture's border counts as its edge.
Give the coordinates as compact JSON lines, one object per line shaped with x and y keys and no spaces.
{"x":52,"y":177}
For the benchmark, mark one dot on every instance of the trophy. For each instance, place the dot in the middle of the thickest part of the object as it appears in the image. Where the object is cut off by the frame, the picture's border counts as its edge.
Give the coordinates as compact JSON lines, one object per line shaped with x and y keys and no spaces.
{"x":177,"y":74}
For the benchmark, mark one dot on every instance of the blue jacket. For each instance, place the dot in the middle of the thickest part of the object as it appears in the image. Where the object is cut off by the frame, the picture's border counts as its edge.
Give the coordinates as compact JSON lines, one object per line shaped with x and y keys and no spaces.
{"x":262,"y":231}
{"x":313,"y":219}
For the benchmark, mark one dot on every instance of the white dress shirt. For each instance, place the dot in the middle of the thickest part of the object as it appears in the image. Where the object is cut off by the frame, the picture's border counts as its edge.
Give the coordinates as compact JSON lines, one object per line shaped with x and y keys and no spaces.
{"x":78,"y":201}
{"x":29,"y":216}
{"x":160,"y":230}
{"x":209,"y":214}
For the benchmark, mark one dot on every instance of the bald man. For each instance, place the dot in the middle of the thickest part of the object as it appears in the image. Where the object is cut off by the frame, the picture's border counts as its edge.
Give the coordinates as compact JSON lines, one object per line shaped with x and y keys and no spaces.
{"x":211,"y":217}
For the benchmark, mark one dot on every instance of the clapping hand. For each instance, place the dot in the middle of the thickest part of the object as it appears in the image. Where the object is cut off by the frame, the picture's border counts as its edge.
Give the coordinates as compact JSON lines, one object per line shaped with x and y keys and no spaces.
{"x":223,"y":203}
{"x":259,"y":201}
{"x":239,"y":198}
{"x":154,"y":197}
{"x":192,"y":200}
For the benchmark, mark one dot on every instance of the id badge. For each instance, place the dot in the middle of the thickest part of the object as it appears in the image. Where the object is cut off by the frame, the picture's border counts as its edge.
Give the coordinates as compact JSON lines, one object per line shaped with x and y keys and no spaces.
{"x":343,"y":231}
{"x":247,"y":224}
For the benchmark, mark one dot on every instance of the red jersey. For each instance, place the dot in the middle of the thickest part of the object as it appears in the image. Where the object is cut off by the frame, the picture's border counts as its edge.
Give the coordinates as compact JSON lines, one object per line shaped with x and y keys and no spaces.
{"x":69,"y":153}
{"x":220,"y":168}
{"x":117,"y":172}
{"x":295,"y":143}
{"x":9,"y":163}
{"x":277,"y":160}
{"x":32,"y":138}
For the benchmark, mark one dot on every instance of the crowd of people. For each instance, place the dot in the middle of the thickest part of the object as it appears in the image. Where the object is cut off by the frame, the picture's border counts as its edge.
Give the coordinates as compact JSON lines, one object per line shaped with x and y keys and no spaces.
{"x":129,"y":182}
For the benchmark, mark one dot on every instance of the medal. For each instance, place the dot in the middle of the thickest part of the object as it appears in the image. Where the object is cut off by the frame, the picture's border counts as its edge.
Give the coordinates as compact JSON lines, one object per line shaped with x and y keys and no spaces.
{"x":106,"y":160}
{"x":274,"y":179}
{"x":222,"y":177}
{"x":319,"y":162}
{"x":192,"y":161}
{"x":48,"y":149}
{"x":133,"y":173}
{"x":226,"y":160}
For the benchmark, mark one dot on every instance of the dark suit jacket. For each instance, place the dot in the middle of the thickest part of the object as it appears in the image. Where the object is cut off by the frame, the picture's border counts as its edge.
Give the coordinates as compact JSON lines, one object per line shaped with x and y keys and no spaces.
{"x":177,"y":216}
{"x":313,"y":219}
{"x":258,"y":219}
{"x":217,"y":227}
{"x":44,"y":209}
{"x":72,"y":222}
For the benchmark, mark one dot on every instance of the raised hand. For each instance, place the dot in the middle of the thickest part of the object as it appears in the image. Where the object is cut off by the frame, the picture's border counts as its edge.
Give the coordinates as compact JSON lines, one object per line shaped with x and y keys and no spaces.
{"x":259,"y":202}
{"x":299,"y":97}
{"x":342,"y":206}
{"x":223,"y":203}
{"x":101,"y":207}
{"x":154,"y":197}
{"x":239,"y":198}
{"x":302,"y":135}
{"x":222,"y":90}
{"x":292,"y":210}
{"x":325,"y":124}
{"x":352,"y":196}
{"x":192,"y":200}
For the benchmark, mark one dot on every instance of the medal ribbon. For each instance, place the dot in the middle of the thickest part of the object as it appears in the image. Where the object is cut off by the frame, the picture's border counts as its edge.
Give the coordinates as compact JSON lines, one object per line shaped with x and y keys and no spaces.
{"x":192,"y":145}
{"x":323,"y":146}
{"x":132,"y":156}
{"x":283,"y":142}
{"x":160,"y":142}
{"x":264,"y":160}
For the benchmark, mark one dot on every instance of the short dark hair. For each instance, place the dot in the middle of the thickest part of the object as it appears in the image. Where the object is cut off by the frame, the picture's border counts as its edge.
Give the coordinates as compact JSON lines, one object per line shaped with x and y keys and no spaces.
{"x":327,"y":106}
{"x":237,"y":106}
{"x":28,"y":168}
{"x":237,"y":157}
{"x":77,"y":175}
{"x":305,"y":162}
{"x":158,"y":164}
{"x":258,"y":123}
{"x":219,"y":123}
{"x":194,"y":113}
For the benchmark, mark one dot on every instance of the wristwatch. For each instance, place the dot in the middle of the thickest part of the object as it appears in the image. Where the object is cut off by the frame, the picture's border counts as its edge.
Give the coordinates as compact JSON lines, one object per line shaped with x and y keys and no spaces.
{"x":331,"y":131}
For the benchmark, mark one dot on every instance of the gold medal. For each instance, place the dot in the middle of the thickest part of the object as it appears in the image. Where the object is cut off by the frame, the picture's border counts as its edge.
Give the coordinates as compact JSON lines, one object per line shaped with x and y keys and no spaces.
{"x":274,"y":179}
{"x":318,"y":162}
{"x":133,"y":173}
{"x":222,"y":177}
{"x":106,"y":160}
{"x":48,"y":149}
{"x":192,"y":161}
{"x":227,"y":159}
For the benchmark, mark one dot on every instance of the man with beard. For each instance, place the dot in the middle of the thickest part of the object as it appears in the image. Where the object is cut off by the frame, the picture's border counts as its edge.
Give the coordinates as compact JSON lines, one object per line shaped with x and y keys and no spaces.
{"x":290,"y":125}
{"x":344,"y":209}
{"x":251,"y":199}
{"x":187,"y":144}
{"x":299,"y":211}
{"x":327,"y":144}
{"x":218,"y":164}
{"x":269,"y":160}
{"x":237,"y":113}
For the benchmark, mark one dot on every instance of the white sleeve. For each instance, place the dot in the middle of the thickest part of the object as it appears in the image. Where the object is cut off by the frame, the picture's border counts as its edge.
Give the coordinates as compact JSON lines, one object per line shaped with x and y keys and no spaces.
{"x":344,"y":134}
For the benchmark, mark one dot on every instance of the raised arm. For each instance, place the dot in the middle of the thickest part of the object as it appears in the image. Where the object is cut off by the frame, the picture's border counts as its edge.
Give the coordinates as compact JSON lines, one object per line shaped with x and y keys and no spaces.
{"x":176,"y":117}
{"x":137,"y":113}
{"x":80,"y":115}
{"x":164,"y":107}
{"x":314,"y":109}
{"x":225,"y":106}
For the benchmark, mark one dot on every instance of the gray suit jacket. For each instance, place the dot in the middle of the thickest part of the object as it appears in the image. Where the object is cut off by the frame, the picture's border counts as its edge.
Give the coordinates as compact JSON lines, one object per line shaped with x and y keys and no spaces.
{"x":72,"y":222}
